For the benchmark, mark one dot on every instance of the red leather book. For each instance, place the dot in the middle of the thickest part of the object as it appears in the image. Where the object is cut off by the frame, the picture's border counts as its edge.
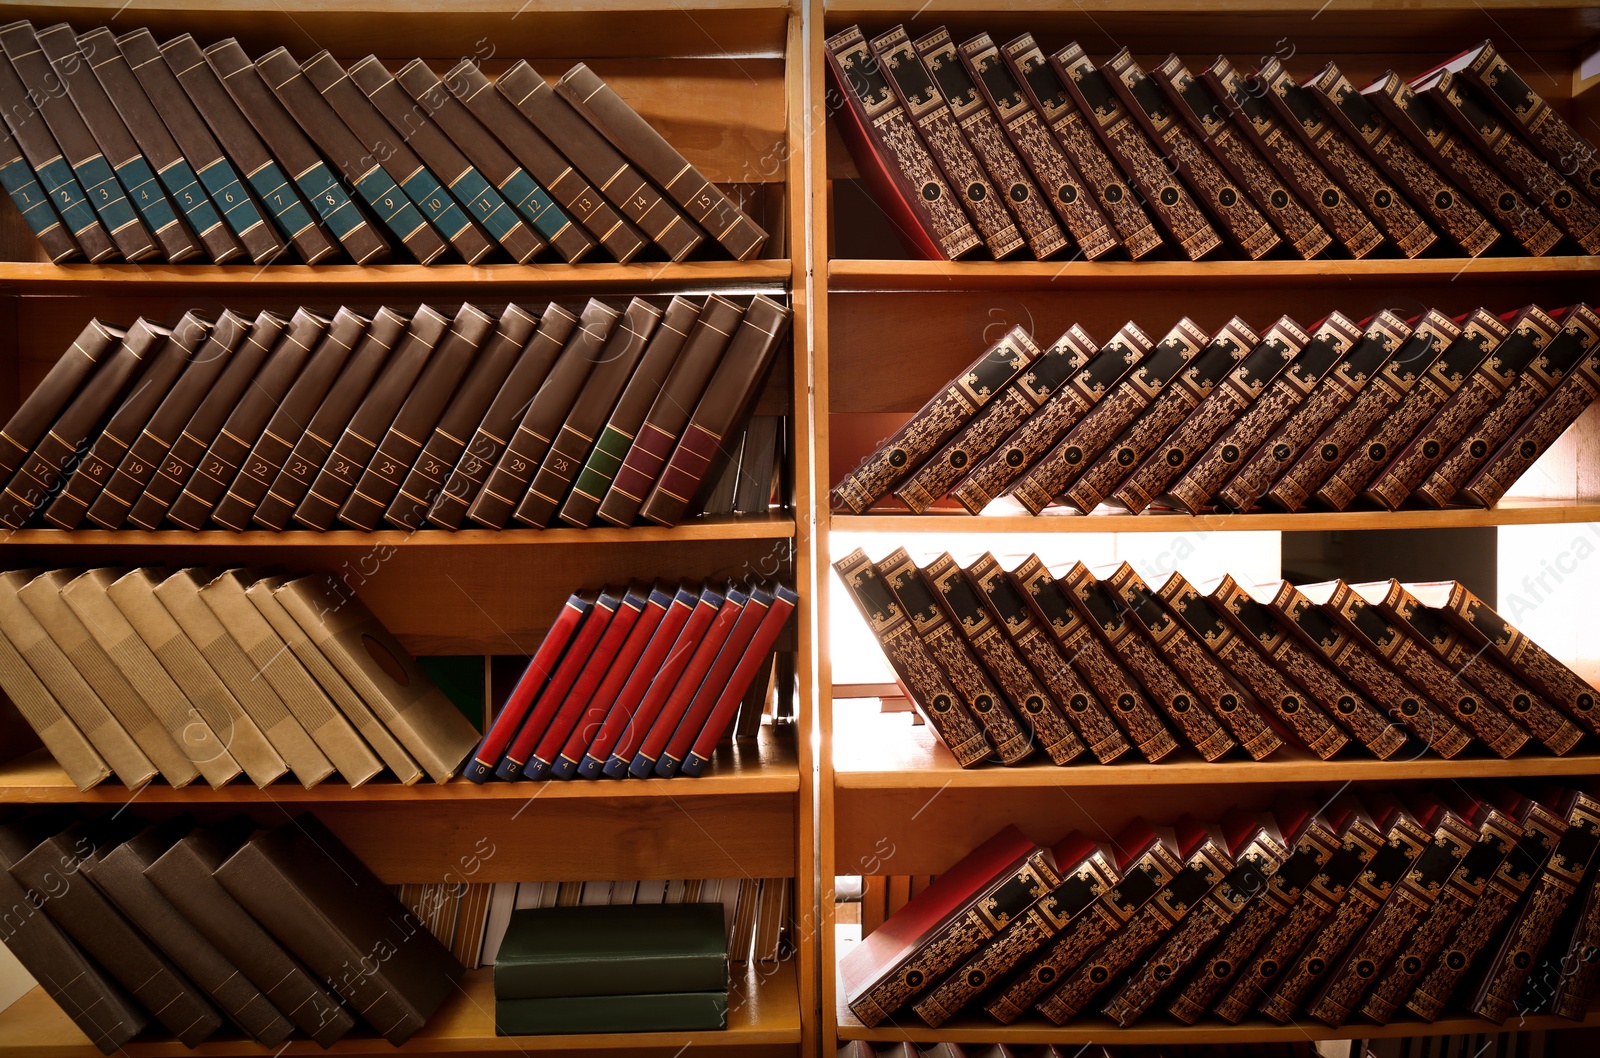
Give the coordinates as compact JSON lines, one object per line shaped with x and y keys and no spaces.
{"x":619,"y":717}
{"x":716,"y":683}
{"x":784,"y":601}
{"x":700,"y":663}
{"x":663,"y":679}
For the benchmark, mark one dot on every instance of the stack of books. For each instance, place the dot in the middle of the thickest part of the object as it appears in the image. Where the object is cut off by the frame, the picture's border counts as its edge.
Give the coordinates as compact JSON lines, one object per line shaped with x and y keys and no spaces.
{"x":1364,"y":908}
{"x":1431,"y":410}
{"x":122,"y":147}
{"x":630,"y":968}
{"x":991,"y":148}
{"x":605,"y":413}
{"x":1000,"y":662}
{"x":193,"y":927}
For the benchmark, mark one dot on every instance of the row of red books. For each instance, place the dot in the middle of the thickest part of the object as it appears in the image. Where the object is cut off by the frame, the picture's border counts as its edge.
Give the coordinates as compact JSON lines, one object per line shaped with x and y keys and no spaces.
{"x":596,"y":413}
{"x":117,"y":146}
{"x":1002,"y":662}
{"x":1362,"y":906}
{"x":1433,"y":410}
{"x":984,"y":147}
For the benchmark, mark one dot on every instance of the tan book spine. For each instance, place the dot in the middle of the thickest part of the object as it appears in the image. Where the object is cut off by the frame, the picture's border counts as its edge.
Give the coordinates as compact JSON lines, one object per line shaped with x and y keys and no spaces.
{"x":43,"y":714}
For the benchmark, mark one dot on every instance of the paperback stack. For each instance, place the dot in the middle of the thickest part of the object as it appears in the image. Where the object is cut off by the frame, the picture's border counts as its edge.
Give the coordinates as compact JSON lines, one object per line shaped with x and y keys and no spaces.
{"x":632,"y":968}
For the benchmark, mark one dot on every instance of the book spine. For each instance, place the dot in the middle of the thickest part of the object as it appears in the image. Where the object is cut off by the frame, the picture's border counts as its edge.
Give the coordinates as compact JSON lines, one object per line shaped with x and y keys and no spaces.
{"x":691,"y":721}
{"x":1543,"y":720}
{"x":33,"y":202}
{"x":666,"y":675}
{"x":618,"y":722}
{"x":754,"y":659}
{"x":1351,"y":709}
{"x":1200,"y":464}
{"x":1576,"y":989}
{"x":1516,"y":454}
{"x":62,"y":739}
{"x":1555,"y":138}
{"x":591,"y":721}
{"x":29,"y":424}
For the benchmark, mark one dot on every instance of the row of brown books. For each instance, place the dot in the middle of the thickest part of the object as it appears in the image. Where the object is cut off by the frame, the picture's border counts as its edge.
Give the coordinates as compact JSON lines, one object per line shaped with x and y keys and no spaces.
{"x":1466,"y":1045}
{"x":982,"y":147}
{"x":1432,"y":410}
{"x":200,"y":674}
{"x":1002,"y":662}
{"x":485,"y":416}
{"x":1364,"y":907}
{"x":204,"y":929}
{"x":122,"y":147}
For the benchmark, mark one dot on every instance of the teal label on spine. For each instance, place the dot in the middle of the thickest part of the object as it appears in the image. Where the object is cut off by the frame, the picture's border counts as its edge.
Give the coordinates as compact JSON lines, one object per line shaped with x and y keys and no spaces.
{"x":435,"y":201}
{"x":392,"y":207}
{"x":66,"y":196}
{"x":105,"y":194}
{"x":222,"y":184}
{"x":545,"y":216}
{"x":146,"y":194}
{"x":280,"y":199}
{"x":603,"y":463}
{"x":32,"y":202}
{"x":185,"y":189}
{"x":485,"y":203}
{"x":330,"y":201}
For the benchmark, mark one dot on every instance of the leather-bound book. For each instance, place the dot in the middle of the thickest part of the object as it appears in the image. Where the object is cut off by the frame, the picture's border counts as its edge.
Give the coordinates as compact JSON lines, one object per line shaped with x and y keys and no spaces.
{"x":1099,"y":668}
{"x":1572,"y":344}
{"x":1529,"y":332}
{"x":1009,"y":609}
{"x":44,"y":715}
{"x":184,"y":875}
{"x":285,"y":139}
{"x":278,"y":384}
{"x":1360,"y":360}
{"x":1321,"y":348}
{"x":1035,"y":220}
{"x":1575,"y":989}
{"x":468,"y":186}
{"x":33,"y":202}
{"x":1112,"y":191}
{"x":1016,"y":428}
{"x":97,"y":1004}
{"x":1207,"y":116}
{"x":197,"y":148}
{"x":1086,"y":869}
{"x":77,"y":144}
{"x":494,"y":161}
{"x":1147,"y":169}
{"x":1481,"y":331}
{"x":242,"y":144}
{"x":1034,"y":706}
{"x":302,"y":883}
{"x":627,"y":949}
{"x":925,"y":106}
{"x":546,"y":164}
{"x":926,"y":684}
{"x":749,"y":666}
{"x":1419,"y":119}
{"x":117,"y":145}
{"x":399,"y":692}
{"x":659,"y":626}
{"x":268,"y":334}
{"x":1371,"y":406}
{"x":951,"y":653}
{"x":1191,"y":662}
{"x":1214,"y":190}
{"x":369,"y":174}
{"x":605,"y":167}
{"x":623,"y":352}
{"x":942,"y":925}
{"x":1097,"y":604}
{"x":366,"y":427}
{"x":284,"y":462}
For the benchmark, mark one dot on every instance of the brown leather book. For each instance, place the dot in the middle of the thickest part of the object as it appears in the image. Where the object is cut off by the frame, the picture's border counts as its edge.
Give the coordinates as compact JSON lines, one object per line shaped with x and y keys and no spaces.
{"x":573,"y":442}
{"x":284,"y":137}
{"x":1208,"y":119}
{"x":1575,"y":989}
{"x":85,"y":768}
{"x":1095,"y":664}
{"x":1437,"y":198}
{"x":1235,"y":214}
{"x":1147,"y":170}
{"x":246,"y":150}
{"x":1113,"y":193}
{"x":1033,"y":705}
{"x":541,"y":418}
{"x":477,"y":456}
{"x":241,"y":375}
{"x":1373,"y":349}
{"x":369,"y":423}
{"x":925,"y":684}
{"x":1372,"y":404}
{"x":1035,"y":220}
{"x":29,"y":423}
{"x":546,"y":164}
{"x":1007,"y":607}
{"x":34,"y":203}
{"x":605,"y":167}
{"x":1481,"y":331}
{"x":403,"y":438}
{"x":1245,"y":100}
{"x":197,"y":146}
{"x":117,"y":146}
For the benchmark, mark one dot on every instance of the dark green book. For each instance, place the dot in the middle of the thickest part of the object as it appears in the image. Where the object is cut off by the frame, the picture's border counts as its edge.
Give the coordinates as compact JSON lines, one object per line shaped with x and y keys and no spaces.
{"x":658,"y":1012}
{"x":611,"y":951}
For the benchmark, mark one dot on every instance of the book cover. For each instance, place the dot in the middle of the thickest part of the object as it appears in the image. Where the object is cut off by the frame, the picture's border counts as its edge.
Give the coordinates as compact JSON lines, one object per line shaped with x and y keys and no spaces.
{"x":611,"y":951}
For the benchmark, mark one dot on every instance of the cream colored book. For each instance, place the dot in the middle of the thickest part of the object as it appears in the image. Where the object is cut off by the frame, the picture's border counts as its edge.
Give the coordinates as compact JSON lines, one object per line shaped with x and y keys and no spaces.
{"x":61,"y":737}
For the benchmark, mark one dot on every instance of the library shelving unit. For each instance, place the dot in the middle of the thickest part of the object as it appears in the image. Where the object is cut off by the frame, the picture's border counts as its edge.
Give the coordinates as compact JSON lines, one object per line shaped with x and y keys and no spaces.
{"x":724,"y":81}
{"x":889,"y":332}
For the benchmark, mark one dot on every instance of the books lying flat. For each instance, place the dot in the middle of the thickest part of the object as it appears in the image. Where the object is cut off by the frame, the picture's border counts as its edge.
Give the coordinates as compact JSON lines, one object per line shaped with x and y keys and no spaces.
{"x":659,"y":1012}
{"x":616,"y":950}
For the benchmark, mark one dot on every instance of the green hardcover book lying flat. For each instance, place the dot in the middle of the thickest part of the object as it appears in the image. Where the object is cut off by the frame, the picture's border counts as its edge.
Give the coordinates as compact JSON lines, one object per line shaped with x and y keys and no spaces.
{"x":663,"y":1012}
{"x":634,"y":950}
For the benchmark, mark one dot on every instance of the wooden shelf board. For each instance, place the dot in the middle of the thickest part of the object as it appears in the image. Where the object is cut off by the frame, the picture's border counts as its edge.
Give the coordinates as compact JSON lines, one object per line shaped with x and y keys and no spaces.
{"x":763,"y":1012}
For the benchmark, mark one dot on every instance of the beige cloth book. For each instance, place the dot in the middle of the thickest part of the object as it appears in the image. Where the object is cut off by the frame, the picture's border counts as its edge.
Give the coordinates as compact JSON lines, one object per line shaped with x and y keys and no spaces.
{"x":38,"y":707}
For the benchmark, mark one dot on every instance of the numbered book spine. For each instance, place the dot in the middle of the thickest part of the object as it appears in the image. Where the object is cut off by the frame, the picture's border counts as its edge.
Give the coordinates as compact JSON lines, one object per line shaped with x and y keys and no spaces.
{"x":1554,"y":137}
{"x":30,"y":422}
{"x":33,"y":202}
